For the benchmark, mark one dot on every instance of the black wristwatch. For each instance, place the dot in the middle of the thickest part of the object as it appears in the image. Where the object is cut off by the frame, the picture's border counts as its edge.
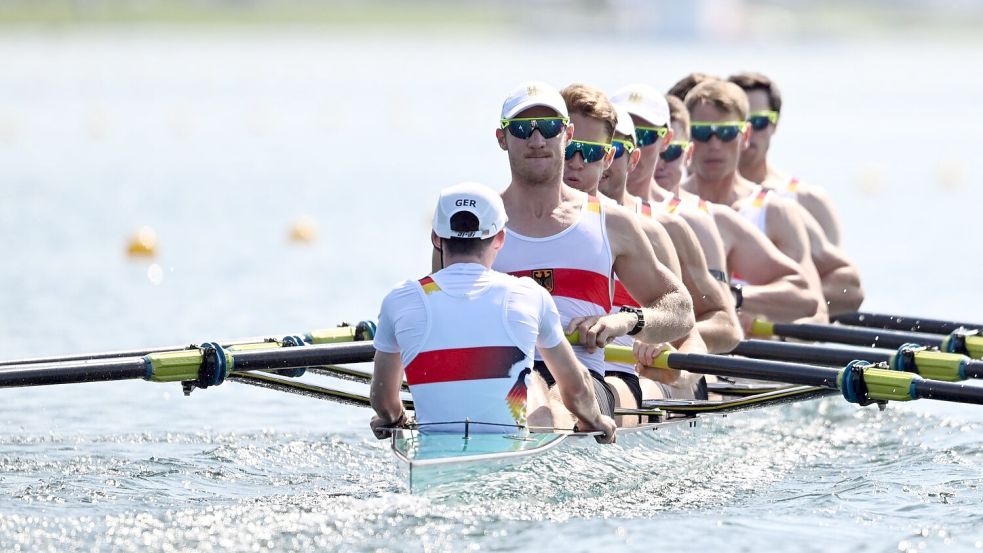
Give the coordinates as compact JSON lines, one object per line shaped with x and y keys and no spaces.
{"x":639,"y":323}
{"x":738,"y":291}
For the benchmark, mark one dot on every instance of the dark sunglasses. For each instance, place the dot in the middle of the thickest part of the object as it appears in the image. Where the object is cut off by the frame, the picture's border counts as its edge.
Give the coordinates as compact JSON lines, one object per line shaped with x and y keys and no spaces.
{"x":590,"y":151}
{"x":522,"y":127}
{"x":646,"y":136}
{"x":674,"y":150}
{"x":725,"y":130}
{"x":621,"y":147}
{"x":761,"y":119}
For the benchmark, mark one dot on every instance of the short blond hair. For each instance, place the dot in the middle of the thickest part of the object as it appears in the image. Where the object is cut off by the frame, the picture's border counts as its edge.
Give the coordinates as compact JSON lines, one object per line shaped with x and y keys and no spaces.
{"x":723,"y":95}
{"x":590,"y":102}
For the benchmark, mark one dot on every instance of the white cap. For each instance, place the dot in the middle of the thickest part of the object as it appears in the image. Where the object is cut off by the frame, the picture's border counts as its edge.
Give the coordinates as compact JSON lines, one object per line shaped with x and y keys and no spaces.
{"x":625,"y":125}
{"x":475,"y":198}
{"x":643,"y":101}
{"x":530,"y":94}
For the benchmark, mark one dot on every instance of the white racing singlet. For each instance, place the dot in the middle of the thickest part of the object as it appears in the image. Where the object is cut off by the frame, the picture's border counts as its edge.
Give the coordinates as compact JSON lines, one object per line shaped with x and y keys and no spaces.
{"x":574,"y":266}
{"x":756,"y":212}
{"x":468,"y":347}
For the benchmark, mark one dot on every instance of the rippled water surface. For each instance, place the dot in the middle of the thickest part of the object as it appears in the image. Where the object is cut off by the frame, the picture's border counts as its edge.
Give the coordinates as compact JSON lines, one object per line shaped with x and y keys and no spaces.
{"x":219,"y":140}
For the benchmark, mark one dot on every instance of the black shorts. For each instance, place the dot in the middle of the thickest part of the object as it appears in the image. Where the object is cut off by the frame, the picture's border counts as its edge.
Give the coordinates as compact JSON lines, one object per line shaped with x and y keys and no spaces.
{"x":603,"y":394}
{"x":630,"y":380}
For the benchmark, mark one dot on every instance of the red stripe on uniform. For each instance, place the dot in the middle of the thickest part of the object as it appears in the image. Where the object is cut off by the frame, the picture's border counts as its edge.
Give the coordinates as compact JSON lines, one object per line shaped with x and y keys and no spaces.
{"x":453,"y":365}
{"x":576,"y":284}
{"x":622,"y":297}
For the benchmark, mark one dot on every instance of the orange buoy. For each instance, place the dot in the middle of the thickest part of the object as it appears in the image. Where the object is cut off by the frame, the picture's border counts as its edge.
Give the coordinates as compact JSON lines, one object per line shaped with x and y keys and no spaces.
{"x":304,"y":230}
{"x":143,"y":243}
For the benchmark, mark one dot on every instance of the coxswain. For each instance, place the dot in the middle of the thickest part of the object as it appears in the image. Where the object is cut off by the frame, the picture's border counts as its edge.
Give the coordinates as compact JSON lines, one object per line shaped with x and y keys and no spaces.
{"x":465,"y":336}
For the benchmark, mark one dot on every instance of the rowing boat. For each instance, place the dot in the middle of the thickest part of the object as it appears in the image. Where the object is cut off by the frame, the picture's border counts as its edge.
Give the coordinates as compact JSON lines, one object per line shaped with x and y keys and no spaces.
{"x":429,"y":459}
{"x":433,"y":459}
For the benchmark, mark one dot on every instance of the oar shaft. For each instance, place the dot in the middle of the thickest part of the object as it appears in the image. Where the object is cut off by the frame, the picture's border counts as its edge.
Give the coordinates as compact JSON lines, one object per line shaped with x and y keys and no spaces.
{"x":947,"y":391}
{"x":779,"y":371}
{"x":72,"y":373}
{"x":900,"y":322}
{"x":847,"y":335}
{"x":807,"y":353}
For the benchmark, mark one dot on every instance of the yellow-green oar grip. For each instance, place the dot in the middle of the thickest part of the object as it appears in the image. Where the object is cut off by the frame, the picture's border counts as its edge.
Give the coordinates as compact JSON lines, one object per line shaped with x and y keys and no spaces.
{"x":888,"y":385}
{"x":175,"y":366}
{"x":974,"y":346}
{"x":333,"y":335}
{"x":938,"y":365}
{"x":762,"y":328}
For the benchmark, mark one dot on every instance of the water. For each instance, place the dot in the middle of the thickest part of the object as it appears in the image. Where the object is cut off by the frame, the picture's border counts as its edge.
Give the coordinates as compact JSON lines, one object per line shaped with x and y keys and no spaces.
{"x":219,"y":139}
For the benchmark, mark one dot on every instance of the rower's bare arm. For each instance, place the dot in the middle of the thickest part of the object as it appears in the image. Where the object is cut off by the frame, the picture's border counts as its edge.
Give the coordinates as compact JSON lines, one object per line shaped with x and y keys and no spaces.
{"x":662,"y":244}
{"x":667,"y":306}
{"x":387,"y":380}
{"x":839,"y":275}
{"x":787,"y":230}
{"x":703,"y":225}
{"x":713,"y":306}
{"x":817,"y":202}
{"x":776,"y":287}
{"x":576,"y":390}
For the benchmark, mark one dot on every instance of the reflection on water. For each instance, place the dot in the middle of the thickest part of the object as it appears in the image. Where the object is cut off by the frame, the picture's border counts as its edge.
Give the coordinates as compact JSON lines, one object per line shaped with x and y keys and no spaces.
{"x":221,"y":141}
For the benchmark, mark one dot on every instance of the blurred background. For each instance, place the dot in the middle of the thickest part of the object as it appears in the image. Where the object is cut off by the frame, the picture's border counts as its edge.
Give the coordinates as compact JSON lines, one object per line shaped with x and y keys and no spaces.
{"x":282,"y":156}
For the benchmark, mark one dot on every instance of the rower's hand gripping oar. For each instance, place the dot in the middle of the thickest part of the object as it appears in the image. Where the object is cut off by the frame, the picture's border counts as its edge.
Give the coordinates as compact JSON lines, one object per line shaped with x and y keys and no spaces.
{"x":963,"y":341}
{"x":859,"y":381}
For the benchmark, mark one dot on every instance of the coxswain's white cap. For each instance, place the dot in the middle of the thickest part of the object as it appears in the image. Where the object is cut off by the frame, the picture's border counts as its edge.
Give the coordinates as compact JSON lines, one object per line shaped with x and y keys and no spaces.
{"x":475,"y":198}
{"x":625,"y":125}
{"x":530,"y":94}
{"x":643,"y":101}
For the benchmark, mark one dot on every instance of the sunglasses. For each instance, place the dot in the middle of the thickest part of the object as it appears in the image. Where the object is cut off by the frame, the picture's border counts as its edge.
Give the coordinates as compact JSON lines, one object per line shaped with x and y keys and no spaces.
{"x":621,"y":147}
{"x":646,"y":136}
{"x":725,"y":130}
{"x":522,"y":127}
{"x":761,"y":119}
{"x":674,"y":150}
{"x":590,"y":151}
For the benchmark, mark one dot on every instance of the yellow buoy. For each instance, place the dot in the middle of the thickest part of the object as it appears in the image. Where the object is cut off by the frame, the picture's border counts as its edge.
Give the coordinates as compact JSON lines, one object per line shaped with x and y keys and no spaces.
{"x":304,"y":230}
{"x":143,"y":243}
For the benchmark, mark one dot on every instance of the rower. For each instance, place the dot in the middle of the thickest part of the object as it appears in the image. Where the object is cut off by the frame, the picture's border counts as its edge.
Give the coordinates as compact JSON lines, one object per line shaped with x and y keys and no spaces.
{"x":465,"y":336}
{"x":718,"y":126}
{"x":572,"y":244}
{"x":765,"y":104}
{"x":650,"y":117}
{"x":596,"y":121}
{"x":773,"y":286}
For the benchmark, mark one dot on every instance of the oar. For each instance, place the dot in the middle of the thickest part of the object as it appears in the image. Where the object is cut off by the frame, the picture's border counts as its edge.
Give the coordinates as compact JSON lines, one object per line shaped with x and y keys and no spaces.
{"x":958,"y":342}
{"x":859,"y":382}
{"x":937,"y":365}
{"x":204,"y":366}
{"x":901,"y":322}
{"x":364,"y":330}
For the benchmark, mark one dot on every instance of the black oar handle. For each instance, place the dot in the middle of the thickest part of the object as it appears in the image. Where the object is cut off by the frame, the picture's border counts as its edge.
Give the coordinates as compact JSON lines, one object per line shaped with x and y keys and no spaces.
{"x":807,"y":353}
{"x":899,"y":322}
{"x":778,"y":371}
